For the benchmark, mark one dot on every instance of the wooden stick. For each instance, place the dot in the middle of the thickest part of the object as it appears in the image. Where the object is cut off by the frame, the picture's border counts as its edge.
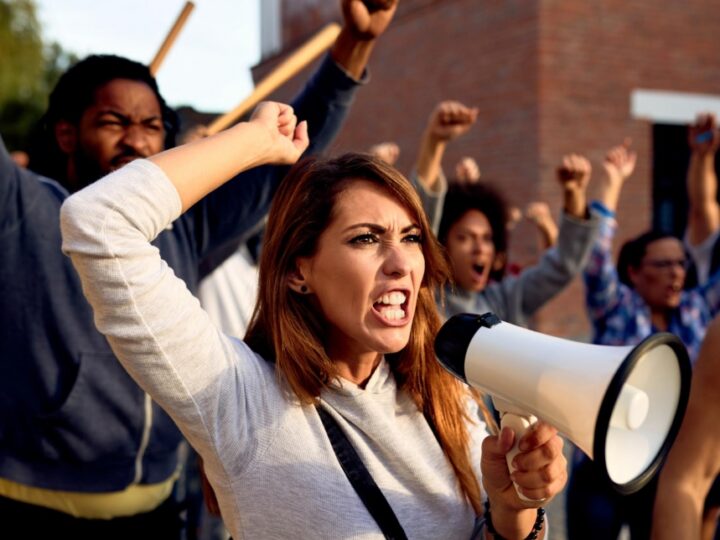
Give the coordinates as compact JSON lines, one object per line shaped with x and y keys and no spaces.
{"x":294,"y":63}
{"x":171,"y":37}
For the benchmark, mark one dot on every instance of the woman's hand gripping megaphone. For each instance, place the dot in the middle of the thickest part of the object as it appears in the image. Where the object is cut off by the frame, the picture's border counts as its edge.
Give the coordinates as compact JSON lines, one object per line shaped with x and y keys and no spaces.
{"x":523,"y":468}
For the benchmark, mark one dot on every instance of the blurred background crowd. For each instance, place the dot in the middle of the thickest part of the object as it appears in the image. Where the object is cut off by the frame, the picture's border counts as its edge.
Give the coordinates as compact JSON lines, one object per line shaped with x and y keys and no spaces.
{"x":551,"y":112}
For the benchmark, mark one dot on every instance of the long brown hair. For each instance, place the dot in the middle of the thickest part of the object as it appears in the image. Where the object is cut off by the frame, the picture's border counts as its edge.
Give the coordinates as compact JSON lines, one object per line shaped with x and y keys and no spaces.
{"x":286,"y":329}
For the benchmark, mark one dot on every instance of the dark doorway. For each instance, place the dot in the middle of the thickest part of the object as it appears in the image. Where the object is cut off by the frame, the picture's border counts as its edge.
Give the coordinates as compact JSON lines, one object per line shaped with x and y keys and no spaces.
{"x":671,"y":155}
{"x":670,"y":161}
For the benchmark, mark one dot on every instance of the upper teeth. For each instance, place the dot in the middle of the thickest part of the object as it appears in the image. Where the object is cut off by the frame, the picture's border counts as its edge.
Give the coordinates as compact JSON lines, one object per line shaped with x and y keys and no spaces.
{"x":394,"y":298}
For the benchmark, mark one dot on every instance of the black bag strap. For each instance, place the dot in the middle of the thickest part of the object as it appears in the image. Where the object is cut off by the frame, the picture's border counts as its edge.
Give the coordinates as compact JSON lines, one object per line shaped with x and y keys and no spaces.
{"x":361,"y":480}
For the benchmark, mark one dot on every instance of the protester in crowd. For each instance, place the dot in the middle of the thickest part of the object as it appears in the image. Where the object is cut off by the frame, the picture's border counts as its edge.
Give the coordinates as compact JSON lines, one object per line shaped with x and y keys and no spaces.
{"x":82,"y":448}
{"x":642,"y":296}
{"x":701,"y":237}
{"x":343,"y":330}
{"x":687,"y":504}
{"x":389,"y":152}
{"x":471,"y":223}
{"x":645,"y":293}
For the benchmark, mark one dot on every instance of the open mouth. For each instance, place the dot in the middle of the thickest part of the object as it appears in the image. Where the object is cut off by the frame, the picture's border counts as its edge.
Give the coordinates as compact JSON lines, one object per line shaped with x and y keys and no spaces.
{"x":478,"y":268}
{"x":392,"y":306}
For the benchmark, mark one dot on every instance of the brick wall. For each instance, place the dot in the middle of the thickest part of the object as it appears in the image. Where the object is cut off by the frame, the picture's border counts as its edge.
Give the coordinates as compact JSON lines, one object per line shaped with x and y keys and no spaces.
{"x":592,"y":55}
{"x":550,"y":77}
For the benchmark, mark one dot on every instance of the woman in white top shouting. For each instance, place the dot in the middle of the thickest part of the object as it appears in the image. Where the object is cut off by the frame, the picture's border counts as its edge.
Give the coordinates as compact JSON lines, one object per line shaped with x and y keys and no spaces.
{"x":344,"y":324}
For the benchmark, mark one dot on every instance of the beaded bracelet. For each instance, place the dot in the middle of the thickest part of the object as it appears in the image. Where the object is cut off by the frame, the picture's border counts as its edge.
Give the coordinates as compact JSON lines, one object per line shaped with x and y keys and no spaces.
{"x":537,"y":527}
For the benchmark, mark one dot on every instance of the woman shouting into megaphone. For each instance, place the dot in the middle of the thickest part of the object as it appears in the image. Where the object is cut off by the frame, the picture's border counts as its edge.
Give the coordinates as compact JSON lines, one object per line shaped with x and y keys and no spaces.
{"x":336,"y":378}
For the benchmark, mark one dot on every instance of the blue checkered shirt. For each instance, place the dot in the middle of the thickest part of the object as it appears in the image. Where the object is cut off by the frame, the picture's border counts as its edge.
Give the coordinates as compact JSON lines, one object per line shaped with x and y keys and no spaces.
{"x":621,"y":317}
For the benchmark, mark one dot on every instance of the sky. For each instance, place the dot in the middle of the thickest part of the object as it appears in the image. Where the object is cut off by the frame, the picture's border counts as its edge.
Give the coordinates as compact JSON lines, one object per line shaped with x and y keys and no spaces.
{"x":208,"y":65}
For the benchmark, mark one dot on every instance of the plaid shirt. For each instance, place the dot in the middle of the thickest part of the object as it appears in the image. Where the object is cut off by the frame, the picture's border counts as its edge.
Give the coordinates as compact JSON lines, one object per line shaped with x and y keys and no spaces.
{"x":621,"y":317}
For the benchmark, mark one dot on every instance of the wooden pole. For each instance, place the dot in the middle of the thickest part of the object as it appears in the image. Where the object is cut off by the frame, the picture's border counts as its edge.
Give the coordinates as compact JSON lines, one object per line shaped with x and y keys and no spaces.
{"x":294,"y":63}
{"x":171,"y":37}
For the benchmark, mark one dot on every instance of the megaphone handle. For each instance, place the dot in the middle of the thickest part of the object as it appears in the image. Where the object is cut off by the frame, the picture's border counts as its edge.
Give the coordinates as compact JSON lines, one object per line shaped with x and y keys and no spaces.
{"x":519,"y":424}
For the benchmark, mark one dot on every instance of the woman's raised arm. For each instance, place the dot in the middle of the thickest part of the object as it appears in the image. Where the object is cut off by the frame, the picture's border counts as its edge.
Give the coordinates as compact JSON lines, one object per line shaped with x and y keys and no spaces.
{"x":154,"y":324}
{"x":271,"y":136}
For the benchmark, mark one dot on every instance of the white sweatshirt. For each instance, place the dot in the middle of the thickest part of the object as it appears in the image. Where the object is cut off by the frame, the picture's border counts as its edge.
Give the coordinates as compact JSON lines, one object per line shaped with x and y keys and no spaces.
{"x":268,"y":459}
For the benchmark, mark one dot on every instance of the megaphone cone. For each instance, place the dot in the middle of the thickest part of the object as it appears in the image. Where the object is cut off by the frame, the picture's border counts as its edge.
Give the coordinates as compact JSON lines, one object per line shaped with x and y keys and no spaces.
{"x":622,"y":406}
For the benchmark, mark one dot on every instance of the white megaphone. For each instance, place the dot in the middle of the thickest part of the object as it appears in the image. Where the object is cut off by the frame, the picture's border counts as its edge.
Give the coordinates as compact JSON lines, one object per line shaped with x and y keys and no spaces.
{"x":622,"y":406}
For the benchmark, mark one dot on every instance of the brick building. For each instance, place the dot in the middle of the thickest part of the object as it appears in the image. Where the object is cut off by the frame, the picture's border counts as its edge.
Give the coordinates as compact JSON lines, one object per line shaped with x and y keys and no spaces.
{"x":550,"y":77}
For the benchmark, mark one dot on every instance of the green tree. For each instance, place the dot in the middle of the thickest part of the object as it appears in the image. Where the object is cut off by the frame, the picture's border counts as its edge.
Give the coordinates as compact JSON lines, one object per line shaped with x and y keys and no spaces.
{"x":28,"y":71}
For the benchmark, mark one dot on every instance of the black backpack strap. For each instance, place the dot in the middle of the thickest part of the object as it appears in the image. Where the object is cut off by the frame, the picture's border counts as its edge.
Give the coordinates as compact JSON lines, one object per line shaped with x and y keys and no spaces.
{"x":361,"y":480}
